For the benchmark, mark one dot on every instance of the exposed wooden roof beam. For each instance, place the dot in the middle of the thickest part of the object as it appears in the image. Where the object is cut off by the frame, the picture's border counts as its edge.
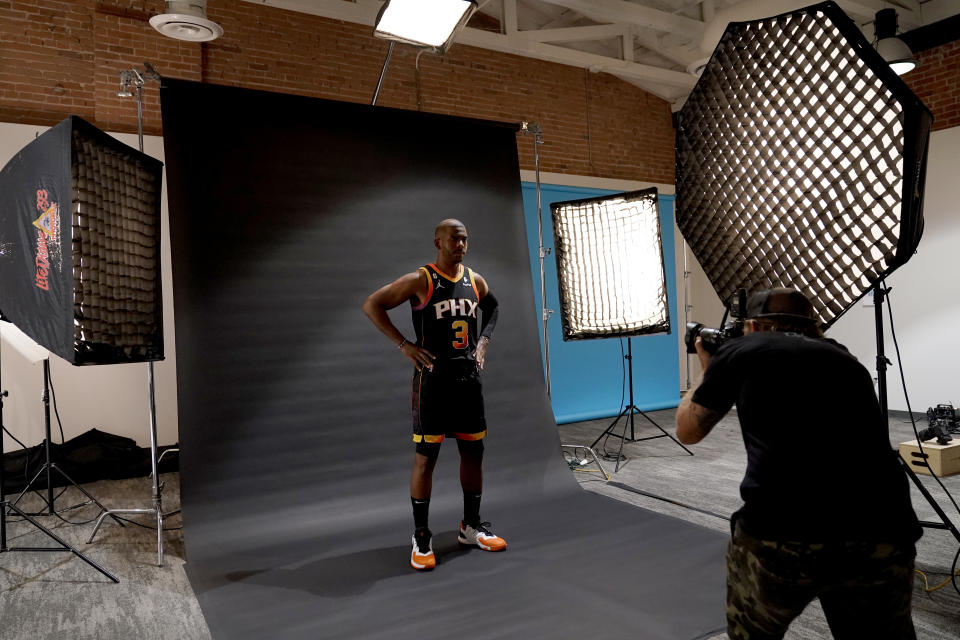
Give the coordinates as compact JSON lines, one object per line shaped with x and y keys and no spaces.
{"x":365,"y":12}
{"x":638,"y":15}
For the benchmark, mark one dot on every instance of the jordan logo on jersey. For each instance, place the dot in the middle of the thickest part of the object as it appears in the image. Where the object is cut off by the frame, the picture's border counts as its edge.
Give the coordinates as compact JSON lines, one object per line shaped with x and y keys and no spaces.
{"x":456,"y":307}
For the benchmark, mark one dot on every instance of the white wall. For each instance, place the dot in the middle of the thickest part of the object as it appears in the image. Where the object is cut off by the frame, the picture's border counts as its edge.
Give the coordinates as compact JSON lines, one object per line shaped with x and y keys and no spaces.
{"x":925,"y":296}
{"x":112,"y":398}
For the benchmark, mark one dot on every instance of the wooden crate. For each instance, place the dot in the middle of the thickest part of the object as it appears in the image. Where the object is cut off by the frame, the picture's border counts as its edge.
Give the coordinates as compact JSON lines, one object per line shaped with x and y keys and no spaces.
{"x":943,"y":459}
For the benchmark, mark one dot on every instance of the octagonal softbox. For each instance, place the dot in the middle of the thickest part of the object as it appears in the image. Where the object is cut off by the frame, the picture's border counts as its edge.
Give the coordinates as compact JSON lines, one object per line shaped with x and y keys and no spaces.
{"x":801,"y":159}
{"x":80,"y":246}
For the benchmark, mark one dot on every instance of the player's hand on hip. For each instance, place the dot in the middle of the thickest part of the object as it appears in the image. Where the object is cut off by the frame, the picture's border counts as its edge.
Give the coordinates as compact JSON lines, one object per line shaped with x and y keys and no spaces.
{"x":421,"y":357}
{"x":481,"y":353}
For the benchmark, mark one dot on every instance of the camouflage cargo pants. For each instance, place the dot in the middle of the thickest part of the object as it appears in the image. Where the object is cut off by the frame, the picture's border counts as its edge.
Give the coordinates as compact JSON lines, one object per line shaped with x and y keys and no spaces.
{"x":864,"y":588}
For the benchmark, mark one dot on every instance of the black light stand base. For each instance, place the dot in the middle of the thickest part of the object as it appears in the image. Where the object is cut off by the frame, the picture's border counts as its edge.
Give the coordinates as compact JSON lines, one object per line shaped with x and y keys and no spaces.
{"x":64,"y":546}
{"x":628,"y":412}
{"x":879,"y":293}
{"x":945,"y":522}
{"x":6,"y":506}
{"x":49,"y":467}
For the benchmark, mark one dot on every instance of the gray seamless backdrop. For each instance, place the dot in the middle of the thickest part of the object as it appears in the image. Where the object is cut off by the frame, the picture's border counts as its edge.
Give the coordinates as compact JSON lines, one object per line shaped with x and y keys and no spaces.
{"x":285,"y":213}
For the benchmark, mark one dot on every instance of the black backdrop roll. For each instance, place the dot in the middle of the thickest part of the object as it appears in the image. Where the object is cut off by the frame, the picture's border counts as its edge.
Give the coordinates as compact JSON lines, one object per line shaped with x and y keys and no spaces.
{"x":285,"y":213}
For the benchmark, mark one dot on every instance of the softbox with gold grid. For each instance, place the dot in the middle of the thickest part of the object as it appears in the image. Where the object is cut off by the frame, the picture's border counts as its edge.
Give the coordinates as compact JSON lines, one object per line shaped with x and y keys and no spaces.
{"x":80,"y":246}
{"x":610,"y":266}
{"x":801,"y":159}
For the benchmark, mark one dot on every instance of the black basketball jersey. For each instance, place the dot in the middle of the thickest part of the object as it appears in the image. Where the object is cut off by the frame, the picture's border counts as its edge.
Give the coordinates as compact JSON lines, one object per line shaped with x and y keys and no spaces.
{"x":446,"y":322}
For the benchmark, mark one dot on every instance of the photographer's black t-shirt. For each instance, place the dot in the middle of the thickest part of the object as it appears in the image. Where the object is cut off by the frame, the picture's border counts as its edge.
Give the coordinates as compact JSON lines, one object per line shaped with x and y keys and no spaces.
{"x":819,"y":462}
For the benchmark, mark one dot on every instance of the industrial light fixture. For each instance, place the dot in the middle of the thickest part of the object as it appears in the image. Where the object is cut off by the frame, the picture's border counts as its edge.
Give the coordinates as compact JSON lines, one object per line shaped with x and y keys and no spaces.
{"x":187,"y":20}
{"x":894,"y":50}
{"x":428,"y":24}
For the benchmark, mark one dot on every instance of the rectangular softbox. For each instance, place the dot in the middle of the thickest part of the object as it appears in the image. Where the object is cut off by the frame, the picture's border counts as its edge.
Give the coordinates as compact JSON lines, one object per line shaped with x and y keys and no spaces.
{"x":610,"y":266}
{"x":80,"y":246}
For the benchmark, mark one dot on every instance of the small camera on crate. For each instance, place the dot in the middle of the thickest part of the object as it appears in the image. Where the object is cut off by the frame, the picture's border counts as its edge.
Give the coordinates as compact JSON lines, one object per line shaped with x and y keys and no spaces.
{"x":712,"y":338}
{"x":942,"y":414}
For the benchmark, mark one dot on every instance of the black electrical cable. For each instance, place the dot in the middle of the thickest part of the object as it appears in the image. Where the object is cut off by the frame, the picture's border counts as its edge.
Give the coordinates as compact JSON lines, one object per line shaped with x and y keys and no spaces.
{"x":953,"y":572}
{"x":14,"y":438}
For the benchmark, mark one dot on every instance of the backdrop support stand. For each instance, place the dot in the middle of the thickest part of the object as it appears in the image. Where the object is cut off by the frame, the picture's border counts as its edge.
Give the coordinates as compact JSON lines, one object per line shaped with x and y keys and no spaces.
{"x":879,"y":293}
{"x":628,"y":412}
{"x":543,"y":252}
{"x":6,"y":506}
{"x":136,"y":78}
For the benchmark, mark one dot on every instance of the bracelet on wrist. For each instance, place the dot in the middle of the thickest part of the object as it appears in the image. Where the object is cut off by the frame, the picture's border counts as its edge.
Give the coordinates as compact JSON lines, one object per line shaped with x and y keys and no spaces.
{"x":402,"y":342}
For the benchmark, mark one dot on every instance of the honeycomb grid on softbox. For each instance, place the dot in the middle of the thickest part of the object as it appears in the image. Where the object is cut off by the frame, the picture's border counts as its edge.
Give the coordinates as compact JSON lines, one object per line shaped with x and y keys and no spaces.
{"x":800,"y":161}
{"x":80,"y":239}
{"x":610,"y":266}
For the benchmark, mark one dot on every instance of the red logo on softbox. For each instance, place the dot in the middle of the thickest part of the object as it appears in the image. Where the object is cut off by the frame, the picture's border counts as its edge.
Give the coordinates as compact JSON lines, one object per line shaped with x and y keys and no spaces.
{"x":46,"y":226}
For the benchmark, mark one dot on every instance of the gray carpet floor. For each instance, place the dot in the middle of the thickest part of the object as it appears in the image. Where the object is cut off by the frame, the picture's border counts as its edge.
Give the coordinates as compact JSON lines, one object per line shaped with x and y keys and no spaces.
{"x":710,"y":481}
{"x":55,"y":595}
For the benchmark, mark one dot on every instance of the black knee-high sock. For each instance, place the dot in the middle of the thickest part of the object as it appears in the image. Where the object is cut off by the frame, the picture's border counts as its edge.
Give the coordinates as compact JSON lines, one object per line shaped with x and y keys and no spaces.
{"x":471,"y":508}
{"x":421,"y":512}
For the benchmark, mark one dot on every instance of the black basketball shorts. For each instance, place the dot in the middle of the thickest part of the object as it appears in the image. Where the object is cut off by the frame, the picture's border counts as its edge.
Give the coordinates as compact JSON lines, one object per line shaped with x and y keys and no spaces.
{"x":447,"y":402}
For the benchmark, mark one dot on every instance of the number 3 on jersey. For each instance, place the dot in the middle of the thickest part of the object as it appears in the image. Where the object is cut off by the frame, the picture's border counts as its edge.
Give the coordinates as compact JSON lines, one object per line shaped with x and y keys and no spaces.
{"x":460,"y":333}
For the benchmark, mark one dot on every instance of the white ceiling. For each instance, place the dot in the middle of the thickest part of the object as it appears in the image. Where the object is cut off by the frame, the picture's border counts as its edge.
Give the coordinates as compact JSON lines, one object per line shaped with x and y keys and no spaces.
{"x":649,"y":43}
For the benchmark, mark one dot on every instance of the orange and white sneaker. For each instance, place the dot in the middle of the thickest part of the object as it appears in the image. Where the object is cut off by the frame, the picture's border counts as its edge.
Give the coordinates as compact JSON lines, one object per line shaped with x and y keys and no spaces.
{"x":422,"y":558}
{"x":481,"y":536}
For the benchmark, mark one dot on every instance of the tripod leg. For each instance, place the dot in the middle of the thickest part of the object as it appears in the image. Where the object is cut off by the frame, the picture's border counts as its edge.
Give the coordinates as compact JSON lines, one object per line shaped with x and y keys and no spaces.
{"x":609,"y":430}
{"x":28,"y":487}
{"x":82,"y":490}
{"x":58,"y":539}
{"x":664,"y":431}
{"x":623,"y":437}
{"x":945,"y":521}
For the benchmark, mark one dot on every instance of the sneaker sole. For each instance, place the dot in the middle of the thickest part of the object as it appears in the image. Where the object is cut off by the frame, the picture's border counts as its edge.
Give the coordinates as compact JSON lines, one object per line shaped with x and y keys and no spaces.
{"x":422,"y":567}
{"x":479,"y":544}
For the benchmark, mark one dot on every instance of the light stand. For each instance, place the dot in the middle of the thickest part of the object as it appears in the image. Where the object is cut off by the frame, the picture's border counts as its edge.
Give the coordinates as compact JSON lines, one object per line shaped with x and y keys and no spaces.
{"x":879,"y":293}
{"x":6,"y":506}
{"x":49,"y":467}
{"x":628,"y":412}
{"x":137,"y":78}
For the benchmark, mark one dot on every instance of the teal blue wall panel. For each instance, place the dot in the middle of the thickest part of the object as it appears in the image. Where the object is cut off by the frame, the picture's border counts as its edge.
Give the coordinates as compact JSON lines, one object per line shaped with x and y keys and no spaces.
{"x":587,"y":376}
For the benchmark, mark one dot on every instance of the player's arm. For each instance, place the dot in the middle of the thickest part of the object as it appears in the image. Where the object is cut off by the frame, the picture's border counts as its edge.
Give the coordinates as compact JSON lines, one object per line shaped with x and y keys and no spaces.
{"x":411,"y":285}
{"x":694,"y":421}
{"x":490,"y":311}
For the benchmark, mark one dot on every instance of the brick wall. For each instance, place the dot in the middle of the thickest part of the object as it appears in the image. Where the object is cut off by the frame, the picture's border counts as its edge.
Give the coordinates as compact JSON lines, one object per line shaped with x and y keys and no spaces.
{"x":936,"y":81}
{"x":60,"y":57}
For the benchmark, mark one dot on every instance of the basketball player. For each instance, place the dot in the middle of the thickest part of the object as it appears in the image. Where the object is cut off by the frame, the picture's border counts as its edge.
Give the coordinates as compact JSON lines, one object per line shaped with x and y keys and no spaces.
{"x":446,"y":298}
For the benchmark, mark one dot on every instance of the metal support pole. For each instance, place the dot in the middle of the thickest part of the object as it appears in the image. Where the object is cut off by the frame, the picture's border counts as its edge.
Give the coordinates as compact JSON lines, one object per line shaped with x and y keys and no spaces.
{"x":543,"y":252}
{"x":157,"y":510}
{"x":879,"y":293}
{"x":383,"y":73}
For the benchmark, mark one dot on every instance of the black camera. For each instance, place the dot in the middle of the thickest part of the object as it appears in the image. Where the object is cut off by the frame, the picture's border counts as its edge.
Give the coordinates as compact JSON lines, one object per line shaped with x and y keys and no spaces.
{"x":712,"y":338}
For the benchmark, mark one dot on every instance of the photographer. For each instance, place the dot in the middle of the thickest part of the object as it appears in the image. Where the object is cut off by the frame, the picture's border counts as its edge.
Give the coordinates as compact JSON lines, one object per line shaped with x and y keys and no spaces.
{"x":826,"y":510}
